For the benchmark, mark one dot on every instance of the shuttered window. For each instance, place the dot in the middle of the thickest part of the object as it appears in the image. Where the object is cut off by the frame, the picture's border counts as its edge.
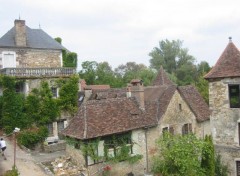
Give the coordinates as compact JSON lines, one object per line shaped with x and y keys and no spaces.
{"x":9,"y":60}
{"x":187,"y":128}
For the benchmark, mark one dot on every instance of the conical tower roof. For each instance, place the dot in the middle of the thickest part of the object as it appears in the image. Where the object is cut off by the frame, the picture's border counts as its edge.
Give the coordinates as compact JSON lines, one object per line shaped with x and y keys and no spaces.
{"x":162,"y":78}
{"x":228,"y":65}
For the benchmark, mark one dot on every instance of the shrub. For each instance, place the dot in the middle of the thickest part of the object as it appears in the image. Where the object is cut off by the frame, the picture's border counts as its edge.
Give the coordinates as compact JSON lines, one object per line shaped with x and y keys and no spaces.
{"x":13,"y":172}
{"x":31,"y":137}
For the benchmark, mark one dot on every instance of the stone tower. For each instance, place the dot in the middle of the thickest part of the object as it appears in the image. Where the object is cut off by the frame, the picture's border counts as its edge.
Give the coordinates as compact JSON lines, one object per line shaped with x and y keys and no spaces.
{"x":224,"y":103}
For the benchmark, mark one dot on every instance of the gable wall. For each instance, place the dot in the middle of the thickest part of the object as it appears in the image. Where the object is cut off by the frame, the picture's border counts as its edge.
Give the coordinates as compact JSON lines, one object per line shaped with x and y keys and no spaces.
{"x":176,"y":118}
{"x":34,"y":58}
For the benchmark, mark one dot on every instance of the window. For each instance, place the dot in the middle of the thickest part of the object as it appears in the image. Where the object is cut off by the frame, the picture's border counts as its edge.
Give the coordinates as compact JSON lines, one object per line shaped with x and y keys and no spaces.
{"x":187,"y":128}
{"x":239,"y":133}
{"x":116,"y":145}
{"x":180,"y":107}
{"x":54,"y":92}
{"x":234,"y":97}
{"x":170,"y":130}
{"x":9,"y":60}
{"x":50,"y":129}
{"x":60,"y":125}
{"x":238,"y":168}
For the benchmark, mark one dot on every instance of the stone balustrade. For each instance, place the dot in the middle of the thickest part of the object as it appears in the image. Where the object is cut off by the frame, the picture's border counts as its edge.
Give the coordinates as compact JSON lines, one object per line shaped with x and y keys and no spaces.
{"x":38,"y":72}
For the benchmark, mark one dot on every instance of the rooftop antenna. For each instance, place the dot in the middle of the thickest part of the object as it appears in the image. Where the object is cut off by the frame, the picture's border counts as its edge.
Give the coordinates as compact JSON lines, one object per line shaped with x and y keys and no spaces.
{"x":19,"y":17}
{"x":230,"y":39}
{"x":39,"y":26}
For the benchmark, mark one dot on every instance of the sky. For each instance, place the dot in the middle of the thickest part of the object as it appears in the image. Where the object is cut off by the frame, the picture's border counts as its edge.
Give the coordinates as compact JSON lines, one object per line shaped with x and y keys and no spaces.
{"x":121,"y":31}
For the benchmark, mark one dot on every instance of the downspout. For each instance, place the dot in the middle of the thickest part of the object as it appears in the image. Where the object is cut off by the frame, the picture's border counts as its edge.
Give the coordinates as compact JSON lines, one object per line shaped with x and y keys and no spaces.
{"x":146,"y":148}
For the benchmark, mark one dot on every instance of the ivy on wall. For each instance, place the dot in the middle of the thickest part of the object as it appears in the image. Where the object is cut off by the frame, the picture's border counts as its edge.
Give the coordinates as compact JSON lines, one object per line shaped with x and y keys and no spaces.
{"x":121,"y":144}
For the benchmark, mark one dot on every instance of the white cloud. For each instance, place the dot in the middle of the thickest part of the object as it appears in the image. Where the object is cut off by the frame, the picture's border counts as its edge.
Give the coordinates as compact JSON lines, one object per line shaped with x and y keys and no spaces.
{"x":127,"y":30}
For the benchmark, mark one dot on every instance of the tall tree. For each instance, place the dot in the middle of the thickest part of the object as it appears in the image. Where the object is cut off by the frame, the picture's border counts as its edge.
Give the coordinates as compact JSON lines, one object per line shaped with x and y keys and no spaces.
{"x":88,"y":71}
{"x":175,"y":60}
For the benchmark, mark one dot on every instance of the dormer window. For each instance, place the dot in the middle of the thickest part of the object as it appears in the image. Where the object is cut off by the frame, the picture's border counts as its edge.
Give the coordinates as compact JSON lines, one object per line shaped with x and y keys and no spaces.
{"x":234,"y":96}
{"x":8,"y":59}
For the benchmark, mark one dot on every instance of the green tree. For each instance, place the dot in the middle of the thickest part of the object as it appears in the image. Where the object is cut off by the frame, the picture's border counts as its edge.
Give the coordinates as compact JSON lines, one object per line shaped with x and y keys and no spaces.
{"x":12,"y":106}
{"x":175,"y":60}
{"x":88,"y":72}
{"x":208,"y":158}
{"x":69,"y":58}
{"x":201,"y":83}
{"x":220,"y":168}
{"x":179,"y":155}
{"x":68,"y":95}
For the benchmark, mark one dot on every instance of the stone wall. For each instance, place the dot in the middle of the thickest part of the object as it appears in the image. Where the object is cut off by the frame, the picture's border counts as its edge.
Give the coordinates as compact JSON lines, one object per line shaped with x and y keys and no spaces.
{"x":224,"y":122}
{"x":61,"y":145}
{"x":122,"y":168}
{"x":178,"y":113}
{"x":34,"y":58}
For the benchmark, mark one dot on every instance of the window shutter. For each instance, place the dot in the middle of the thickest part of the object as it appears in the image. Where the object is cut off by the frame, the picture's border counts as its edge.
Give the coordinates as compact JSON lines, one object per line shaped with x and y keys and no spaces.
{"x":190,"y":128}
{"x":171,"y":130}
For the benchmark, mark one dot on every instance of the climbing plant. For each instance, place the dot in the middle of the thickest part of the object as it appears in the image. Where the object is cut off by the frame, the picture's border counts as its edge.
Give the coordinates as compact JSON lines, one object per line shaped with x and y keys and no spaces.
{"x":68,"y":94}
{"x":121,"y":145}
{"x":12,"y":106}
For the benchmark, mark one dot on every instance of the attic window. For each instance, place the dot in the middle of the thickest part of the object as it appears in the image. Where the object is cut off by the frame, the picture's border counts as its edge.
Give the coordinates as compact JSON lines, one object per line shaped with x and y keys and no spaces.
{"x":180,"y":106}
{"x":234,"y":96}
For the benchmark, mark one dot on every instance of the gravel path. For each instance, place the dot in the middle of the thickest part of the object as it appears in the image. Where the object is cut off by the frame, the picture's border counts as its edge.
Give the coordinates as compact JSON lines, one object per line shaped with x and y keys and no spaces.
{"x":28,"y":164}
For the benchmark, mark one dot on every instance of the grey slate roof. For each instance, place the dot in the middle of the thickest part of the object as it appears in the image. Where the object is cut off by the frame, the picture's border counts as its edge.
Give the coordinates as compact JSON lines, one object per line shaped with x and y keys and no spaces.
{"x":36,"y":39}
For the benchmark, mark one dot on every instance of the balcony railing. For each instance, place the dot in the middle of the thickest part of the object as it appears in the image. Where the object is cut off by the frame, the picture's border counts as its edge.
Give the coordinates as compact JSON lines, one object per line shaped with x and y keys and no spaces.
{"x":38,"y":72}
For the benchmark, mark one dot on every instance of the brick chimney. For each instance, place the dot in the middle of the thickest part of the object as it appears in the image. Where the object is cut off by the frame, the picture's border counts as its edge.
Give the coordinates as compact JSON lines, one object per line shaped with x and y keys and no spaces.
{"x":20,"y":33}
{"x":137,"y":90}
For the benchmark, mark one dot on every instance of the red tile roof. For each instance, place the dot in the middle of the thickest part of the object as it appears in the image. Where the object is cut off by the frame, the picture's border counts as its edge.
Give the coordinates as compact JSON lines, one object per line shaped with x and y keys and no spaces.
{"x":228,"y":65}
{"x":162,"y":78}
{"x":109,"y":116}
{"x":195,"y":102}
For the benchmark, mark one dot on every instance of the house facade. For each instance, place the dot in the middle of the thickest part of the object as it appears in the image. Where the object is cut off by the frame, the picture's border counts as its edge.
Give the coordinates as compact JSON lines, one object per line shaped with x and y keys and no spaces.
{"x":32,"y":56}
{"x":224,"y":102}
{"x":143,"y":113}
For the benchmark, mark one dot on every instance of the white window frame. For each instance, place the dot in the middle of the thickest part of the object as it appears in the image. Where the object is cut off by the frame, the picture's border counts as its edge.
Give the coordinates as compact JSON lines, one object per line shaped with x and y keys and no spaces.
{"x":9,"y":52}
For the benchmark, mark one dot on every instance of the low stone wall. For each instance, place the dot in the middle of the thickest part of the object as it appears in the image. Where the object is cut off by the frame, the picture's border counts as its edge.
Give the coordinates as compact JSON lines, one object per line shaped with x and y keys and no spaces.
{"x":61,"y":145}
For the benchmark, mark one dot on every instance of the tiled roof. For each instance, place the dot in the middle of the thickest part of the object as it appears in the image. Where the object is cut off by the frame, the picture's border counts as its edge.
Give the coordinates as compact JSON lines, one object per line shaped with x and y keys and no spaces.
{"x":162,"y":78}
{"x":109,"y":116}
{"x":36,"y":39}
{"x":97,"y":87}
{"x":195,"y":102}
{"x":228,"y":65}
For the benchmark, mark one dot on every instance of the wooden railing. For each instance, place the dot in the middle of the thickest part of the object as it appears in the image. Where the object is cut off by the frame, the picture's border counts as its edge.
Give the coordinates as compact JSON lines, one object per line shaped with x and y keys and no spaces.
{"x":38,"y":72}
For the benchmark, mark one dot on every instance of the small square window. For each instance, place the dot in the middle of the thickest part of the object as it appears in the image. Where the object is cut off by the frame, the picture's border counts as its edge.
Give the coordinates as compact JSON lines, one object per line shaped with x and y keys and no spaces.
{"x":54,"y":92}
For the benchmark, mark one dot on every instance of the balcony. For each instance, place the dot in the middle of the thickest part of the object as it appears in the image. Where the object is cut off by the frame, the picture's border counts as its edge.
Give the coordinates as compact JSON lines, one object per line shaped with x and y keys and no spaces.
{"x":38,"y":72}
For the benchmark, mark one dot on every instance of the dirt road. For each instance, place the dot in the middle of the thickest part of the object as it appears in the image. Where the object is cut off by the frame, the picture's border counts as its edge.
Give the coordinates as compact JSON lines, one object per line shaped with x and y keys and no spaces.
{"x":26,"y":163}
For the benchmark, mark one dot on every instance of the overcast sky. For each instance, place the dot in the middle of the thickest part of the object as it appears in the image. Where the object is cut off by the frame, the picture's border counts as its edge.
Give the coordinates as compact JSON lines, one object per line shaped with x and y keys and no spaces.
{"x":120,"y":31}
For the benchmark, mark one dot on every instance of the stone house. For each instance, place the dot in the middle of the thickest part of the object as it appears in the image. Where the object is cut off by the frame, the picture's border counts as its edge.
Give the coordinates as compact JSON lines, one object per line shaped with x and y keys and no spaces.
{"x":224,"y":103}
{"x":143,"y":113}
{"x":31,"y":55}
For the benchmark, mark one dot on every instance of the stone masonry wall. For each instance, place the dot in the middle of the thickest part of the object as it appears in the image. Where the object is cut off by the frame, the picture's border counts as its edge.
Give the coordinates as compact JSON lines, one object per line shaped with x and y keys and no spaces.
{"x":122,"y":168}
{"x":34,"y":58}
{"x":176,"y":117}
{"x":224,"y":122}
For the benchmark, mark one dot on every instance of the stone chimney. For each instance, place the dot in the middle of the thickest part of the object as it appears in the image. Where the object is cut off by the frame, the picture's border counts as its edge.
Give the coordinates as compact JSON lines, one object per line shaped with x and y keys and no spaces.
{"x":20,"y":33}
{"x":137,"y":90}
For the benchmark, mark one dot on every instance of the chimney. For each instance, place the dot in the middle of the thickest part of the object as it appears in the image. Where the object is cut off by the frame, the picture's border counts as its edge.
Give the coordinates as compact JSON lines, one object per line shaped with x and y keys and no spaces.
{"x":129,"y":91}
{"x":137,"y":90}
{"x":20,"y":33}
